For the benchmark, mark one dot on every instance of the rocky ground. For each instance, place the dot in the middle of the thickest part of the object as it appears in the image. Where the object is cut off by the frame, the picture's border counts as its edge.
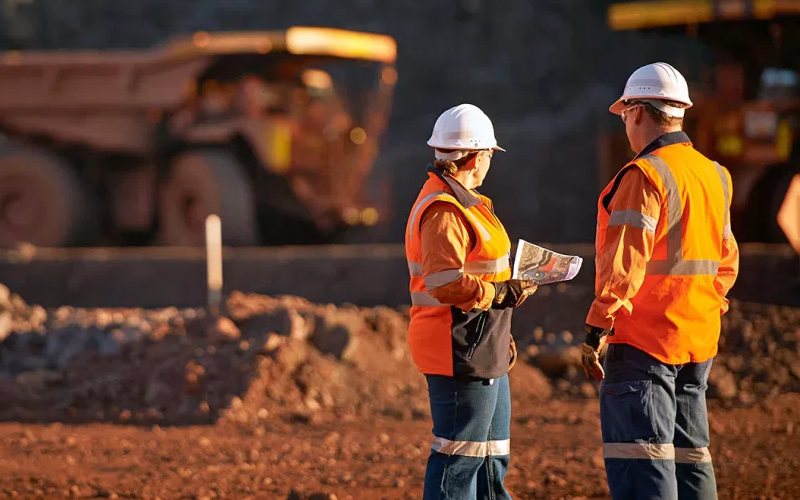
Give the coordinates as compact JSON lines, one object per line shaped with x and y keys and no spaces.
{"x":555,"y":454}
{"x":281,"y":397}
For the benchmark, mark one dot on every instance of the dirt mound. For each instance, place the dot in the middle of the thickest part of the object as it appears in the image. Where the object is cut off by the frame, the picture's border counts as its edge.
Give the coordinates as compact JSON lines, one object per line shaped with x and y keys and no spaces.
{"x":757,"y":354}
{"x":267,"y":358}
{"x":285,"y":358}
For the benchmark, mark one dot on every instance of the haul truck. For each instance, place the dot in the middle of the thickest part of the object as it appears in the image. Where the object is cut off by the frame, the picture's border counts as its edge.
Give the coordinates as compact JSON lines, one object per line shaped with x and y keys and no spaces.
{"x":746,"y":102}
{"x":273,"y":131}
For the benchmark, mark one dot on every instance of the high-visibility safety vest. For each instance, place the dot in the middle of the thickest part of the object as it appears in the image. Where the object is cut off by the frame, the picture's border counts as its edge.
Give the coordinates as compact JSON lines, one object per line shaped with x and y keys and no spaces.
{"x":676,"y":313}
{"x":443,"y":339}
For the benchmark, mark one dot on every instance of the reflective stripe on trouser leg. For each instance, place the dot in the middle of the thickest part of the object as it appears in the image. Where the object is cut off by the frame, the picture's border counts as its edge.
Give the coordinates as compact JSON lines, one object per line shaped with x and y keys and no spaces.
{"x":694,"y":469}
{"x":636,"y":409}
{"x":463,"y":412}
{"x":492,"y":475}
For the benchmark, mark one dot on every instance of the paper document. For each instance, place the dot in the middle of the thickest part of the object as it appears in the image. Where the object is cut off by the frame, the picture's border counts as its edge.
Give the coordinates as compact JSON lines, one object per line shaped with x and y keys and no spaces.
{"x":541,"y":265}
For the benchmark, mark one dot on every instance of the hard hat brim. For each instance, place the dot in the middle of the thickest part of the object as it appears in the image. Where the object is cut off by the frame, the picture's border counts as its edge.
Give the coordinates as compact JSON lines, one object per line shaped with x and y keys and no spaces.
{"x":436,"y":146}
{"x":617,"y":107}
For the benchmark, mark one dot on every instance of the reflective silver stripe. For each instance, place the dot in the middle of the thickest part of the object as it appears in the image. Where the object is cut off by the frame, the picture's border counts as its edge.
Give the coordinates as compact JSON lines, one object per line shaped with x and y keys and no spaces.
{"x":424,"y":299}
{"x":674,"y":264}
{"x":648,"y":451}
{"x":462,"y":448}
{"x":421,"y":203}
{"x":442,"y":278}
{"x":683,"y":267}
{"x":471,"y":448}
{"x":480,"y":267}
{"x":632,"y":218}
{"x":692,"y":455}
{"x":414,"y":269}
{"x":499,"y":448}
{"x":487,"y":266}
{"x":674,"y":210}
{"x":726,"y":231}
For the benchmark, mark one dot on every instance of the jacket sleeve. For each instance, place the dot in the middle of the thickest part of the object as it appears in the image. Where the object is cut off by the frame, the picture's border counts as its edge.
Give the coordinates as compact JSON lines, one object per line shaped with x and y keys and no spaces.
{"x":446,"y":238}
{"x":729,"y":264}
{"x":634,"y":211}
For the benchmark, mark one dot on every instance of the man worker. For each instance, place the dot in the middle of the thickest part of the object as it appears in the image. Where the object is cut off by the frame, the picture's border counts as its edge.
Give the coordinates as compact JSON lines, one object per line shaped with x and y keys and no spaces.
{"x":665,"y":260}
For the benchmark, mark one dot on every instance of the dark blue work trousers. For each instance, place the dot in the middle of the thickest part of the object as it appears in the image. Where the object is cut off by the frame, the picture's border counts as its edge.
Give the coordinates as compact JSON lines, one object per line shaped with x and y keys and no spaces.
{"x":471,"y":438}
{"x":655,"y":427}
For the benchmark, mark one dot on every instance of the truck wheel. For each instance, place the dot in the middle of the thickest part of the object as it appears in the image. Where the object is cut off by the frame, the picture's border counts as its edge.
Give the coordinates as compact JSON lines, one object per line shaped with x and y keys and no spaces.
{"x":41,"y":199}
{"x":201,"y":183}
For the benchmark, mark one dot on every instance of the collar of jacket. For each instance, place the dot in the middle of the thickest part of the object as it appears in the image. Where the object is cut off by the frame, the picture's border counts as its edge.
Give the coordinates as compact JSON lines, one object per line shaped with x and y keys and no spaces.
{"x":667,"y":139}
{"x":462,"y":194}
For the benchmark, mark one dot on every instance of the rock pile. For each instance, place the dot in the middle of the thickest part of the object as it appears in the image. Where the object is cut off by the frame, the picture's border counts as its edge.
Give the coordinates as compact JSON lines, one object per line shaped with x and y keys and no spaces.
{"x":288,"y":359}
{"x":759,"y":346}
{"x":267,"y":358}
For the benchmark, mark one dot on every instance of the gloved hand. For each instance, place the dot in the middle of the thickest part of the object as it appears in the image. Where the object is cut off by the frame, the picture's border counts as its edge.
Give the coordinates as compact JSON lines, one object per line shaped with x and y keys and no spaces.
{"x":590,"y":352}
{"x":512,"y":350}
{"x":512,"y":293}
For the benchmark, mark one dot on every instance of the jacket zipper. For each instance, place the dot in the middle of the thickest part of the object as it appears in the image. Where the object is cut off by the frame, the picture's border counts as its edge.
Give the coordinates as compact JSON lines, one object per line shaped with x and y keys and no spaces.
{"x":478,"y":335}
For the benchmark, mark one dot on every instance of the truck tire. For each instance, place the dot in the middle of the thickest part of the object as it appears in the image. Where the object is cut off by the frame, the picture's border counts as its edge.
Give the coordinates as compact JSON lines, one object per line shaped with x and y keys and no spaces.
{"x":201,"y":183}
{"x":42,"y":200}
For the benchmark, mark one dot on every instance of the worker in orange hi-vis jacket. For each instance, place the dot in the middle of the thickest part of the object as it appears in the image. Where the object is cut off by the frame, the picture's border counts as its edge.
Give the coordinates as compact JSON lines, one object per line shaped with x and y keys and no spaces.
{"x":665,"y":261}
{"x":462,"y":297}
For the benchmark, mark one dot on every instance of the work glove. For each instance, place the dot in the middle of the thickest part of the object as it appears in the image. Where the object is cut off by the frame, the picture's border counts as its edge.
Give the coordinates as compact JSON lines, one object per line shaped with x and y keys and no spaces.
{"x":590,"y":352}
{"x":512,"y":293}
{"x":512,"y":350}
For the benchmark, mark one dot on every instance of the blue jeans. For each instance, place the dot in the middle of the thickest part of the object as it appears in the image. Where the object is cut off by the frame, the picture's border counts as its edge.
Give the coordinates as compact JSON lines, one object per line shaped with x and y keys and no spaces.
{"x":471,"y":438}
{"x":655,"y":427}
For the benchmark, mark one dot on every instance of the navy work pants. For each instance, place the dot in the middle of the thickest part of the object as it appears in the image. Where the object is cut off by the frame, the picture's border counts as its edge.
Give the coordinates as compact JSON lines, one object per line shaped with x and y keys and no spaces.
{"x":655,"y":427}
{"x":471,"y":438}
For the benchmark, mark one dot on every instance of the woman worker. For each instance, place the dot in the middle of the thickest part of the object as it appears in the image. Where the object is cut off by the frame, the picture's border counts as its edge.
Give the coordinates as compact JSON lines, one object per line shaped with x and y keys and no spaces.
{"x":461,"y":302}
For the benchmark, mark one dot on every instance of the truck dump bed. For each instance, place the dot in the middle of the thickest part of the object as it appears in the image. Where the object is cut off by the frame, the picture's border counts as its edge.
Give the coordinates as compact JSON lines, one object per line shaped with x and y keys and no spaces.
{"x":110,"y":99}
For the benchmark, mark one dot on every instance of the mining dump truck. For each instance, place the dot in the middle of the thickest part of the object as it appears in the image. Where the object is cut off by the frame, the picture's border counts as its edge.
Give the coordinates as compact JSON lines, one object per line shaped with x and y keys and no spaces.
{"x":276,"y":132}
{"x":746,"y":94}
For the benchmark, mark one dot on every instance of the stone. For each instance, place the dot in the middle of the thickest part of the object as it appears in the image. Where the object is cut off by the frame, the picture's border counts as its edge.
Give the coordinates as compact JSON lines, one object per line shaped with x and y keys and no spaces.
{"x":223,"y":329}
{"x":338,"y":340}
{"x":721,"y":383}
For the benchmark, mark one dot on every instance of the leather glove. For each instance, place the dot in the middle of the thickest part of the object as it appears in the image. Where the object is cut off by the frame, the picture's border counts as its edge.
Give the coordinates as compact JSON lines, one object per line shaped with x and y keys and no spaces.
{"x":590,"y":352}
{"x":512,"y":293}
{"x":513,"y":352}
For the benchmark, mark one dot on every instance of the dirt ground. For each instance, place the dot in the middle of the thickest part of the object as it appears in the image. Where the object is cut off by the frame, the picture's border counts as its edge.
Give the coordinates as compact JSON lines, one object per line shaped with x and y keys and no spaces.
{"x":555,"y":454}
{"x":284,"y":398}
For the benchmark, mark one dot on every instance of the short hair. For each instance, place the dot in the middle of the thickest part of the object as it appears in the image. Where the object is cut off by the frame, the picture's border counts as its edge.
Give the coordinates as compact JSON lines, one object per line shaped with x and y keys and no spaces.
{"x":660,"y":117}
{"x":450,"y":167}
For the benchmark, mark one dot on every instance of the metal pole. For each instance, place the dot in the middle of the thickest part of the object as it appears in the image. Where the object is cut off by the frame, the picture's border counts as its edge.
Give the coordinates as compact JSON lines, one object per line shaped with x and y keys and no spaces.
{"x":214,"y":263}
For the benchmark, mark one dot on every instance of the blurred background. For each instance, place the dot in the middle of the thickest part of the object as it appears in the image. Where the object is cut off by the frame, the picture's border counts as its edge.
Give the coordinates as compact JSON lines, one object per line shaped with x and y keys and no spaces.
{"x":545,"y":71}
{"x":125,"y":123}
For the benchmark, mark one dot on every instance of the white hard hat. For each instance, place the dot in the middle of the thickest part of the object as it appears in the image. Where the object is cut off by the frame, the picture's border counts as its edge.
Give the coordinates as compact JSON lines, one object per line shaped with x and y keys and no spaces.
{"x":656,"y":83}
{"x":464,"y":128}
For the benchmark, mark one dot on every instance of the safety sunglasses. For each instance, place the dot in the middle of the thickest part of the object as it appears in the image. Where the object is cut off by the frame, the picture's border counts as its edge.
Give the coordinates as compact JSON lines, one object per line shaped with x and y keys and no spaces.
{"x":622,"y":113}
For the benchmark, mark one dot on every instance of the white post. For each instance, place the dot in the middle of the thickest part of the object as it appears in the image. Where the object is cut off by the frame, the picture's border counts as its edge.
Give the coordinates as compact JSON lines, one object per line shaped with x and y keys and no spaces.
{"x":214,"y":263}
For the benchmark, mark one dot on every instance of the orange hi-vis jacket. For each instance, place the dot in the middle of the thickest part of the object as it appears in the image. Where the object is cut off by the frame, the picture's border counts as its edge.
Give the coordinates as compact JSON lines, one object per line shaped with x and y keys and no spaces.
{"x":443,"y":339}
{"x":665,"y":254}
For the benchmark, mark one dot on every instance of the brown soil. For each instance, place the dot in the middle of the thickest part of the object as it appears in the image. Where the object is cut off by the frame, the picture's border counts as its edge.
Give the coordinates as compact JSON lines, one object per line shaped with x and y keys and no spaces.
{"x":282,"y":397}
{"x":556,"y":454}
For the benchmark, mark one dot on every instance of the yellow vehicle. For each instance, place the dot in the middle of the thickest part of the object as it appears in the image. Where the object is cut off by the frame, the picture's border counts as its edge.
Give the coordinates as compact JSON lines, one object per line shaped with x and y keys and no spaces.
{"x":746,"y":103}
{"x":273,"y":131}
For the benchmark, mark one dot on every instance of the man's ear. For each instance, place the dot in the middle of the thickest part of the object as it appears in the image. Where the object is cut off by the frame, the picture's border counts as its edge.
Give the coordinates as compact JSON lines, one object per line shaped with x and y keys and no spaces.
{"x":638,"y":117}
